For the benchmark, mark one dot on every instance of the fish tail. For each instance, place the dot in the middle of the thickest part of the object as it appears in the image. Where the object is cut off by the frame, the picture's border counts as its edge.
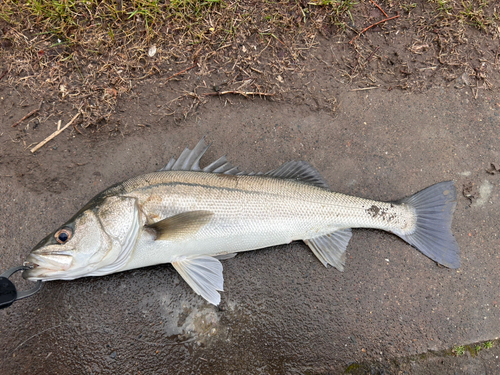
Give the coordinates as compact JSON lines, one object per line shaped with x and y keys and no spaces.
{"x":434,"y":207}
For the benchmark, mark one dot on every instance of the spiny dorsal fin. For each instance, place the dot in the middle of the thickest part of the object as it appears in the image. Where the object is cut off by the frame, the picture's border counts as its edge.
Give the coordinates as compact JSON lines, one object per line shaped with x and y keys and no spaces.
{"x":300,"y":171}
{"x":182,"y":225}
{"x":221,"y":165}
{"x":189,"y":160}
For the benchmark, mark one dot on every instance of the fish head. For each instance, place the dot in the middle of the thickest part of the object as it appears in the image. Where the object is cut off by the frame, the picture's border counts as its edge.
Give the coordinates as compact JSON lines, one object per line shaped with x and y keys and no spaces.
{"x":96,"y":241}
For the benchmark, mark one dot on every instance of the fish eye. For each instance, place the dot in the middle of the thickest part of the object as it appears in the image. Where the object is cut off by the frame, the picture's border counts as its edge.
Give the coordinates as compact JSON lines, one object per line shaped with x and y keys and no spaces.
{"x":63,"y":235}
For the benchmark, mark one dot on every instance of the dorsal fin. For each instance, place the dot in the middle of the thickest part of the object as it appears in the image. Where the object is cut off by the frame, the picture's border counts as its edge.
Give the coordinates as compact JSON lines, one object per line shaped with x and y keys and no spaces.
{"x":189,"y":160}
{"x":300,"y":171}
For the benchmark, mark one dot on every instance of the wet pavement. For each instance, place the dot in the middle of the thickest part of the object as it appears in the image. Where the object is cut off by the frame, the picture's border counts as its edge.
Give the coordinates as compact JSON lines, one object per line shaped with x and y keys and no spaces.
{"x":282,"y":311}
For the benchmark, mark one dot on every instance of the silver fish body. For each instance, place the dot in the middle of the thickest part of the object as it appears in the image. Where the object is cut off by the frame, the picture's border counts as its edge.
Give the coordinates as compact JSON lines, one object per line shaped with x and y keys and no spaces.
{"x":191,"y":217}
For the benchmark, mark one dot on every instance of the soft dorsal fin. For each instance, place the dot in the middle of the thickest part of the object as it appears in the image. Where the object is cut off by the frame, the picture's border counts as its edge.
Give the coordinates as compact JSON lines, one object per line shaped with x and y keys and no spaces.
{"x":300,"y":171}
{"x":181,"y":225}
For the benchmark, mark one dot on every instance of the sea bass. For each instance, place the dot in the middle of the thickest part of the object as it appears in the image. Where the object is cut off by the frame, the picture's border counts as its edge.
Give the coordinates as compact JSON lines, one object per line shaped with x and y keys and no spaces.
{"x":193,"y":217}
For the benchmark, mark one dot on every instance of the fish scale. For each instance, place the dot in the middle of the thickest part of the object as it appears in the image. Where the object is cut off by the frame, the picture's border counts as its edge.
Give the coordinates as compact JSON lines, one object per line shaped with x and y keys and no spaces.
{"x":191,"y":217}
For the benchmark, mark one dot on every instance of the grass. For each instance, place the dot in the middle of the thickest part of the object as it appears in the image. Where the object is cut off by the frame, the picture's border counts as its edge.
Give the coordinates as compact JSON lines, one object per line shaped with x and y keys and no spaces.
{"x":400,"y":364}
{"x":198,"y":21}
{"x":93,"y":46}
{"x":482,"y":14}
{"x":459,"y":350}
{"x":487,"y":344}
{"x":89,"y":40}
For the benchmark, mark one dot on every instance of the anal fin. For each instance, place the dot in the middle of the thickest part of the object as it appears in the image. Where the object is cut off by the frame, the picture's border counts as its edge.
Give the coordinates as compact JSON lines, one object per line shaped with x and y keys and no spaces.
{"x":330,"y":248}
{"x":203,"y":274}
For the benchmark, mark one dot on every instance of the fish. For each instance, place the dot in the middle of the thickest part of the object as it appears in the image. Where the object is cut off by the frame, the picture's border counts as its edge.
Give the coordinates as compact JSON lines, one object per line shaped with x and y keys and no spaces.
{"x":194,"y":217}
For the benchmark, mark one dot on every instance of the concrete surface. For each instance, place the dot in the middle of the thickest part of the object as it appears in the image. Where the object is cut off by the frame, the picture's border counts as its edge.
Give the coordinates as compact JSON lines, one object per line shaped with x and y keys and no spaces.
{"x":282,"y":311}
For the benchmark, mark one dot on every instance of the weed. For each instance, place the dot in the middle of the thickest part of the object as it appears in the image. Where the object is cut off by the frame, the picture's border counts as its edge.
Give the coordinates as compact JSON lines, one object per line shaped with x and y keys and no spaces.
{"x":444,"y":7}
{"x":488,"y":344}
{"x":459,"y":350}
{"x":475,"y":13}
{"x":409,"y":7}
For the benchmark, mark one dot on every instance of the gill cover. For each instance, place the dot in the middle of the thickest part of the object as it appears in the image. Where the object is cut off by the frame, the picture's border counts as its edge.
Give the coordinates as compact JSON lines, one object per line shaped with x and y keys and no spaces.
{"x":102,"y":239}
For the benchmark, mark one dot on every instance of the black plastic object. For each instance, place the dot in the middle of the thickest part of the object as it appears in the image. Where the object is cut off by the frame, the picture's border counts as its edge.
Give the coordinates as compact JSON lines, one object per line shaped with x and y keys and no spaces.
{"x":8,"y":291}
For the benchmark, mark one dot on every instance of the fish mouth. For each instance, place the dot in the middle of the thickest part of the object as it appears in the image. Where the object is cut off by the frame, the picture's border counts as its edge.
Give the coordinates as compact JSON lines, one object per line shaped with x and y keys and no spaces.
{"x":46,"y":266}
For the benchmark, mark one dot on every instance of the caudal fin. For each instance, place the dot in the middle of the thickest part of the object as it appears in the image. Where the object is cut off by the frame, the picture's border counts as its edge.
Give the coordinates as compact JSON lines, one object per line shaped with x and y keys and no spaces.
{"x":434,"y":207}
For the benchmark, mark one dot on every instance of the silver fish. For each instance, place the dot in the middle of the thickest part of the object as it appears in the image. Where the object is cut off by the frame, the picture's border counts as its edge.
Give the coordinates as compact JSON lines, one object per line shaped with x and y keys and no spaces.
{"x":193,"y":217}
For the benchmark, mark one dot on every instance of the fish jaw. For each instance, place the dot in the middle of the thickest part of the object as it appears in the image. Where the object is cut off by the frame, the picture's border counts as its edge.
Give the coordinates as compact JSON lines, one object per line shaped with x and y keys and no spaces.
{"x":47,"y":265}
{"x":55,"y":263}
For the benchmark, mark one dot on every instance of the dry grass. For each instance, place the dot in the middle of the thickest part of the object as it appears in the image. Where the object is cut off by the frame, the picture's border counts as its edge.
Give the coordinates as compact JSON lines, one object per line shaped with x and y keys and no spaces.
{"x":89,"y":53}
{"x":93,"y":51}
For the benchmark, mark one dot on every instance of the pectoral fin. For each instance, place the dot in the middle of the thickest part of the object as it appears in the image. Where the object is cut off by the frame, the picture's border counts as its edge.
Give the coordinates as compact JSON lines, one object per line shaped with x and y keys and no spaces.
{"x":203,"y":274}
{"x":182,"y":225}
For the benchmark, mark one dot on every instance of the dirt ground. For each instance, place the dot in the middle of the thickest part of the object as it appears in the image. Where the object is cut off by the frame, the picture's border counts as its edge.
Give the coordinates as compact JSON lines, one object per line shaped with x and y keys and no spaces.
{"x":407,"y":106}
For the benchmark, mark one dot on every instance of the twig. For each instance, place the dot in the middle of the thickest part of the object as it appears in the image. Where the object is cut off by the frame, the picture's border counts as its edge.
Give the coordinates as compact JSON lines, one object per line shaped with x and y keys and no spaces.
{"x":366,"y":88}
{"x":28,"y":115}
{"x":258,"y":71}
{"x":3,"y":74}
{"x":379,"y":8}
{"x":369,"y":27}
{"x":182,"y":71}
{"x":56,"y":133}
{"x":371,"y":55}
{"x":244,"y":93}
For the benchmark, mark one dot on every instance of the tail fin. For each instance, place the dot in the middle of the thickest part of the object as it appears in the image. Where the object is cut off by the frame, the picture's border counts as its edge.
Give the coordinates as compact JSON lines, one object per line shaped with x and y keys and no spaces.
{"x":434,"y":208}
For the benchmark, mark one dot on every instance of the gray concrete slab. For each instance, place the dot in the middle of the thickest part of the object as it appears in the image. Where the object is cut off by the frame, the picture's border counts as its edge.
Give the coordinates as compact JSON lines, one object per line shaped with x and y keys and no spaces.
{"x":282,"y":311}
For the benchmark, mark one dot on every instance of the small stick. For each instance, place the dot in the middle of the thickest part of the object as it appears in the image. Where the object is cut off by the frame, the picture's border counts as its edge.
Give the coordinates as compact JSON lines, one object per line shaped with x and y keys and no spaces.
{"x":55,"y":134}
{"x":371,"y":55}
{"x":182,"y":71}
{"x":379,"y":8}
{"x":28,"y":115}
{"x":3,"y":74}
{"x":366,"y":88}
{"x":244,"y":93}
{"x":369,"y":27}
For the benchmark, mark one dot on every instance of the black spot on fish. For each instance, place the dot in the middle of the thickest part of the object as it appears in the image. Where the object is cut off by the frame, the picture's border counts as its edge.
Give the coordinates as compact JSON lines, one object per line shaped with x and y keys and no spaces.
{"x":373,"y":211}
{"x":382,"y":213}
